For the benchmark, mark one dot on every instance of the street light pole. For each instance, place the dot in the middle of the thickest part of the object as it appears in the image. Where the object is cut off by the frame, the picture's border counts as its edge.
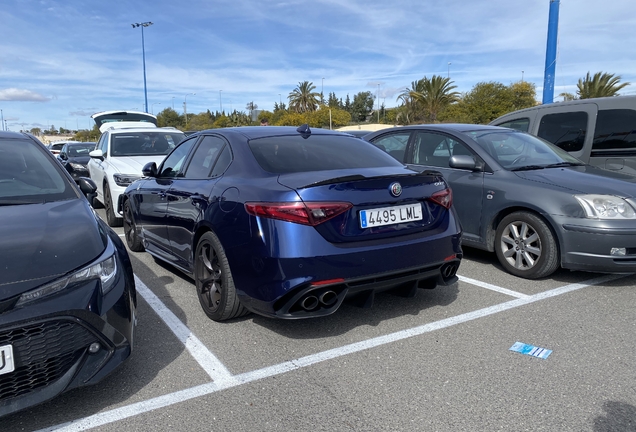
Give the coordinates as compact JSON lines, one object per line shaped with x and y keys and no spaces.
{"x":449,"y":63}
{"x":2,"y":114}
{"x":185,"y":108}
{"x":143,"y":53}
{"x":152,"y":107}
{"x":172,"y":102}
{"x":322,"y":92}
{"x":280,"y":99}
{"x":378,"y":102}
{"x":220,"y":102}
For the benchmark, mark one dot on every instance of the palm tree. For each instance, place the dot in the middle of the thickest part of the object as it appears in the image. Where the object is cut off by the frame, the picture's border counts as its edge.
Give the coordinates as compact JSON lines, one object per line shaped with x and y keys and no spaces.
{"x":601,"y":85}
{"x":303,"y":98}
{"x":435,"y":94}
{"x":411,"y":109}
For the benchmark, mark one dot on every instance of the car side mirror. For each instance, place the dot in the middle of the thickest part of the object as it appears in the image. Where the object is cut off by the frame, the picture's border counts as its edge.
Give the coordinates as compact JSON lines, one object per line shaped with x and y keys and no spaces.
{"x":63,"y":156}
{"x":97,"y":154}
{"x":88,"y":188}
{"x":463,"y":162}
{"x":149,"y":170}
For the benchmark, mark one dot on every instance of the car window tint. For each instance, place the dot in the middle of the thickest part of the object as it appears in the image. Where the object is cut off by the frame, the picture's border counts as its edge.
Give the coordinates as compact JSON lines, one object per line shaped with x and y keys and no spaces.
{"x":615,"y":129}
{"x":521,"y":124}
{"x":435,"y":149}
{"x":144,"y":143}
{"x":76,"y":150}
{"x":173,"y":165}
{"x":102,"y":144}
{"x":222,"y":162}
{"x":566,"y":130}
{"x":28,"y":175}
{"x":204,"y":157}
{"x":290,"y":154}
{"x":394,"y":144}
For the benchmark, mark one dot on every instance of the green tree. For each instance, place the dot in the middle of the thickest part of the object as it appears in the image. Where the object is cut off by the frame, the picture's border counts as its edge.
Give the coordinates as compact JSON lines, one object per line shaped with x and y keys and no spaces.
{"x":433,"y":95}
{"x":36,"y":131}
{"x":362,"y":106}
{"x":321,"y":117}
{"x":170,"y":118}
{"x":600,"y":85}
{"x":567,"y":96}
{"x":523,"y":94}
{"x":410,"y":110}
{"x":304,"y":98}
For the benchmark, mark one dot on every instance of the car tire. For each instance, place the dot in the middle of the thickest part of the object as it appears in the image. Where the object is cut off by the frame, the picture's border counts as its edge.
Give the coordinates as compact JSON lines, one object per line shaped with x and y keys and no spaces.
{"x":111,"y":219}
{"x":130,"y":230}
{"x":525,"y":246}
{"x":214,"y":282}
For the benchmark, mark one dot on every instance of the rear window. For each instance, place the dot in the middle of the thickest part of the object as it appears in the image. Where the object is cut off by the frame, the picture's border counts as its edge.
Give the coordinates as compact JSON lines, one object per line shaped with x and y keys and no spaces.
{"x":291,"y":154}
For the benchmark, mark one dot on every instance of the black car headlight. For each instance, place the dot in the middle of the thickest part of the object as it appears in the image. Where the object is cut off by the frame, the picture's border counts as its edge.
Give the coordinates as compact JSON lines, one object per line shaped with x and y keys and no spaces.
{"x":104,"y":269}
{"x":605,"y":207}
{"x":78,"y":167}
{"x":124,"y":180}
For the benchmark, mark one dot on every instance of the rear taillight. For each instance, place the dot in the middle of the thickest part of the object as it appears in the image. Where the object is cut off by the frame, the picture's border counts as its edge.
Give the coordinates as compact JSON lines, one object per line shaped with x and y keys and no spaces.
{"x":443,"y":198}
{"x":310,"y":213}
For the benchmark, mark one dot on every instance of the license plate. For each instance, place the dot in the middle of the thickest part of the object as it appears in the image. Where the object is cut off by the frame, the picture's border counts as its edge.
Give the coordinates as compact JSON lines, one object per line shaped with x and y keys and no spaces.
{"x":390,"y":215}
{"x":7,"y":364}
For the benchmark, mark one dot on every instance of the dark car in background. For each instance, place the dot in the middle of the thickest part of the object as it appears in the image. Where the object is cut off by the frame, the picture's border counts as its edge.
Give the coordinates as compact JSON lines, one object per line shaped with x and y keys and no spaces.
{"x":289,"y":222}
{"x":56,"y":147}
{"x":67,"y":291}
{"x":74,"y":157}
{"x":538,"y":207}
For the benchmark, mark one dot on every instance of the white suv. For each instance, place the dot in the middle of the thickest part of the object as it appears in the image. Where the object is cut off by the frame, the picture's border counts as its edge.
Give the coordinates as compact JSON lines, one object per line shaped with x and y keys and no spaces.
{"x":129,"y":140}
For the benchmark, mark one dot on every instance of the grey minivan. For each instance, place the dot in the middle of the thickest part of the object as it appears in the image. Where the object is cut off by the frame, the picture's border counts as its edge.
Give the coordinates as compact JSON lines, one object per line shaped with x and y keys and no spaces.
{"x":600,"y":131}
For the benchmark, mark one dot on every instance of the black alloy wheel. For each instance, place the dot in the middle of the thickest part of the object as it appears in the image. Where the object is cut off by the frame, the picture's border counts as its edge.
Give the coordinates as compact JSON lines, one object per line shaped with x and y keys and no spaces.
{"x":130,"y":230}
{"x":525,"y":246}
{"x":111,"y":219}
{"x":214,"y":282}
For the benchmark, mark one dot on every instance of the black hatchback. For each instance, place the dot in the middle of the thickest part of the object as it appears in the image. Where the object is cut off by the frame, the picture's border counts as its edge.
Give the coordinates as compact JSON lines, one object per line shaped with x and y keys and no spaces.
{"x":74,"y":157}
{"x":67,"y":291}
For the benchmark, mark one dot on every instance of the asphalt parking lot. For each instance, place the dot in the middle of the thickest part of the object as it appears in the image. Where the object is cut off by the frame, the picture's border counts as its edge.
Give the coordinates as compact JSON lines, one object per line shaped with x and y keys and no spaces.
{"x":440,"y":361}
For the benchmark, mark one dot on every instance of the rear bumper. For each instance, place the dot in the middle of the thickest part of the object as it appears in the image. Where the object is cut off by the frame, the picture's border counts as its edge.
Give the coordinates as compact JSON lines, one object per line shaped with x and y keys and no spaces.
{"x":305,"y":287}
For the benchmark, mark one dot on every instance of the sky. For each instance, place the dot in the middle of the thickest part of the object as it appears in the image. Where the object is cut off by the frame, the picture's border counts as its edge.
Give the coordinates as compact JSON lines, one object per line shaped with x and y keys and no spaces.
{"x":63,"y":60}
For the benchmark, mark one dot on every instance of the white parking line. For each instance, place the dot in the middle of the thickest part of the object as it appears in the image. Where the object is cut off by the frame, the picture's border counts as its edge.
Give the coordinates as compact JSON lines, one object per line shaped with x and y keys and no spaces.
{"x":201,"y":354}
{"x":232,"y":381}
{"x":492,"y":287}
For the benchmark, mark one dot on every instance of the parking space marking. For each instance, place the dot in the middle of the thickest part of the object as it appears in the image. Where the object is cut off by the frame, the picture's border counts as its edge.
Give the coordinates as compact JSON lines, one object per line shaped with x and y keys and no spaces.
{"x":493,"y":287}
{"x":229,"y":380}
{"x":208,"y":361}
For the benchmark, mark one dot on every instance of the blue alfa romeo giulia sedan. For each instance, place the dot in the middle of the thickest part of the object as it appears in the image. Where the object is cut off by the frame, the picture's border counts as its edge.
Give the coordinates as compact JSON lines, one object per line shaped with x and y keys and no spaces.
{"x":288,"y":222}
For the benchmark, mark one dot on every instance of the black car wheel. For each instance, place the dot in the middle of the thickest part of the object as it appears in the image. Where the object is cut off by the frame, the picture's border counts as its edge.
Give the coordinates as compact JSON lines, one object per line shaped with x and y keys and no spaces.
{"x":215,"y":286}
{"x":130,"y":230}
{"x":526,"y":246}
{"x":111,"y":219}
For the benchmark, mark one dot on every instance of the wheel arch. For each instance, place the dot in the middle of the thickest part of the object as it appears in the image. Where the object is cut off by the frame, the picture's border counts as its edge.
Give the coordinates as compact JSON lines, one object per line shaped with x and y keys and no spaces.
{"x":491,"y":229}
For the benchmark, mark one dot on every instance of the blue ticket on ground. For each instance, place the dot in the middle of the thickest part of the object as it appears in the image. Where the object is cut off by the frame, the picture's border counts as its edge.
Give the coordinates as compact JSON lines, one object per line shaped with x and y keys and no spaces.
{"x":530,"y":350}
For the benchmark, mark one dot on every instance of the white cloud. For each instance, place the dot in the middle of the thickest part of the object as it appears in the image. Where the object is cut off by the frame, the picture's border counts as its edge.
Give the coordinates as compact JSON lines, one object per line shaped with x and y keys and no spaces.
{"x":14,"y":94}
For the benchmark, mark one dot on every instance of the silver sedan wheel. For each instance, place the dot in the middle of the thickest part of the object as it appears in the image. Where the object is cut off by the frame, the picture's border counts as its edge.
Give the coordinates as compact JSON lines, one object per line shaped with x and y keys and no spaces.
{"x":521,"y":245}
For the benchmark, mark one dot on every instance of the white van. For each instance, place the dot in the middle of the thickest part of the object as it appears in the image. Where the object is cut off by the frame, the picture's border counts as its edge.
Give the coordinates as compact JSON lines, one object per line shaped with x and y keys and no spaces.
{"x":600,"y":131}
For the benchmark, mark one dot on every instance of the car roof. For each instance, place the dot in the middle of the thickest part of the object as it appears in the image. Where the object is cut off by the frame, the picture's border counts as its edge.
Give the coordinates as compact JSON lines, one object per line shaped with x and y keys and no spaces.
{"x":253,"y":132}
{"x":448,"y":127}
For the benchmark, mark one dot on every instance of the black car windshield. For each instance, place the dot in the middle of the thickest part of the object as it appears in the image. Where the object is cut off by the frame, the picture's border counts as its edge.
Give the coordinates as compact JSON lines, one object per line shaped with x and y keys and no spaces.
{"x":77,"y":150}
{"x":521,"y":151}
{"x":144,"y":143}
{"x":291,"y":154}
{"x":28,"y":175}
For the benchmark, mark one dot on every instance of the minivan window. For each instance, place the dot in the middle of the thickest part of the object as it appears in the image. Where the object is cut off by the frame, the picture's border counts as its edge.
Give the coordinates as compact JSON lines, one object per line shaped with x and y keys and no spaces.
{"x":521,"y":124}
{"x":566,"y":130}
{"x":615,"y":129}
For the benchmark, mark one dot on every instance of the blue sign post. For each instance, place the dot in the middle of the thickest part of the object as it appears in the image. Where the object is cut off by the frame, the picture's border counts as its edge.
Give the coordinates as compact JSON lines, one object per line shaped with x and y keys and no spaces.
{"x":550,"y":53}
